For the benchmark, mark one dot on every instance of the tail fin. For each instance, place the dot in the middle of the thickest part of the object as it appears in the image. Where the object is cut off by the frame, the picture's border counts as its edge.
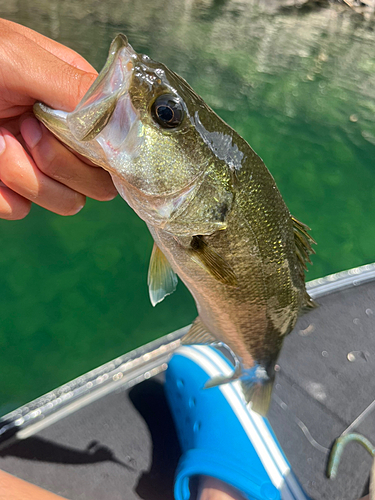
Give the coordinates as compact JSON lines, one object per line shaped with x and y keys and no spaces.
{"x":256,"y":386}
{"x":258,"y":393}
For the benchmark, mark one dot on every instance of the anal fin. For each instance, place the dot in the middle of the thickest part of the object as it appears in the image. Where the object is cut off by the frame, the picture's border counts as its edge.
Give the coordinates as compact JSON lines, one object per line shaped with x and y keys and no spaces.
{"x":308,"y":304}
{"x":198,"y":334}
{"x":162,"y":280}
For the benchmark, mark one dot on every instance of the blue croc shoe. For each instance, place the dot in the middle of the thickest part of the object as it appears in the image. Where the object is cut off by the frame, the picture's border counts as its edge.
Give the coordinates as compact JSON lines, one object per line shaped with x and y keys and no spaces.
{"x":219,"y":435}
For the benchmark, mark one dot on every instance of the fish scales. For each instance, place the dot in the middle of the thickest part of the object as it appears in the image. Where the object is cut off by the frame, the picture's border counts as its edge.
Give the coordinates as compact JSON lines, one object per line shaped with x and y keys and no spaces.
{"x":252,"y":317}
{"x":212,"y":207}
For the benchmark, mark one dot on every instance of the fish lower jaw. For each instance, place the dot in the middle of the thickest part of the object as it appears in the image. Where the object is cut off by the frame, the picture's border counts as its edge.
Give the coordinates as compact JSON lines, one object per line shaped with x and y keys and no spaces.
{"x":156,"y":210}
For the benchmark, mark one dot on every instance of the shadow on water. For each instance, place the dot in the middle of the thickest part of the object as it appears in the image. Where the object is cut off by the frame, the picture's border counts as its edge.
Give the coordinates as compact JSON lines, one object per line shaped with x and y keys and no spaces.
{"x":149,"y":400}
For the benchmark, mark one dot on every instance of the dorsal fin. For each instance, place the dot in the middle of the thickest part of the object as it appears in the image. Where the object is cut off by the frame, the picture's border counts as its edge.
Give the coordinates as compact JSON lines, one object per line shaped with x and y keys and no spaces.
{"x":211,"y":261}
{"x":303,"y":242}
{"x":198,"y":334}
{"x":162,"y":280}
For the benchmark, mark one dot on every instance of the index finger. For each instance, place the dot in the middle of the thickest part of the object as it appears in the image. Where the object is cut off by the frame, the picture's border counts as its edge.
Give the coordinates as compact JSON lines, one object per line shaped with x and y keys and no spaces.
{"x":57,"y":49}
{"x":31,"y":72}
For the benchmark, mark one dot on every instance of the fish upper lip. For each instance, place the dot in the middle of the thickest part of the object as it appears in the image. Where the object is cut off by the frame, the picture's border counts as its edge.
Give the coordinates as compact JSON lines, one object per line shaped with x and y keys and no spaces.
{"x":101,"y":99}
{"x":111,"y":88}
{"x":79,"y":127}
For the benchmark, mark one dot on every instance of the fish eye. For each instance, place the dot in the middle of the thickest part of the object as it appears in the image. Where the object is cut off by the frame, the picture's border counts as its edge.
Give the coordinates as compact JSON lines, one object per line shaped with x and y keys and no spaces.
{"x":167,"y":111}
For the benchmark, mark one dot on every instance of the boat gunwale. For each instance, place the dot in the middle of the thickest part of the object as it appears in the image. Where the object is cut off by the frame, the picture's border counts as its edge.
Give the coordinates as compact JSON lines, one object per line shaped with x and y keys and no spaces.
{"x":132,"y":368}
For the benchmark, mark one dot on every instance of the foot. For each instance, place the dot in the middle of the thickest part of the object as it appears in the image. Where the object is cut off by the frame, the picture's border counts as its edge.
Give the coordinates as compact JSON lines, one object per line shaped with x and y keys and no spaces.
{"x":213,"y":489}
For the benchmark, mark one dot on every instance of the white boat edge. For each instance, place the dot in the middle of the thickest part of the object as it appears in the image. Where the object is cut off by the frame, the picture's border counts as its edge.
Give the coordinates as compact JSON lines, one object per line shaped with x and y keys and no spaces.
{"x":132,"y":368}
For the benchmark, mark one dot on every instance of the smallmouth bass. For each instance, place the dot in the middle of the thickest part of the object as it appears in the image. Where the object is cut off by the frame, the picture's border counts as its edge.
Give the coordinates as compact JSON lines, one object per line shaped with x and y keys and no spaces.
{"x":212,"y":207}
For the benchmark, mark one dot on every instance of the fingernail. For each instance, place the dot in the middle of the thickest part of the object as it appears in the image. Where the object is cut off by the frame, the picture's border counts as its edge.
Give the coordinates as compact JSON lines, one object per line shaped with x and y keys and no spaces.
{"x":31,"y":132}
{"x":2,"y":143}
{"x":79,"y":207}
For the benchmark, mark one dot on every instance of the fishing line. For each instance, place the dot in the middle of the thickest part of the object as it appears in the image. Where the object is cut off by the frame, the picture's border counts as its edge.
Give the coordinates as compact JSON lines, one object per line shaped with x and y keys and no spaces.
{"x":360,"y":418}
{"x":301,"y":425}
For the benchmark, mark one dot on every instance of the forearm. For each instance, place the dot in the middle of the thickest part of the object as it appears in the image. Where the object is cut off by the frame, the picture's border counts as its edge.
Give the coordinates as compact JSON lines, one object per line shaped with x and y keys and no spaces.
{"x":13,"y":488}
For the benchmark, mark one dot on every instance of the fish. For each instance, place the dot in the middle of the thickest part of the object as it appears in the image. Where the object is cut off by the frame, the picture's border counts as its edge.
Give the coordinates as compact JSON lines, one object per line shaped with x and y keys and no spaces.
{"x":217,"y":218}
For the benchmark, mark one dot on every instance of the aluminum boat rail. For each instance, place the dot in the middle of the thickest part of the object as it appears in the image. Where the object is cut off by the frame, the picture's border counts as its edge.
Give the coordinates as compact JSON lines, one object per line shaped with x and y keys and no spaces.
{"x":132,"y":368}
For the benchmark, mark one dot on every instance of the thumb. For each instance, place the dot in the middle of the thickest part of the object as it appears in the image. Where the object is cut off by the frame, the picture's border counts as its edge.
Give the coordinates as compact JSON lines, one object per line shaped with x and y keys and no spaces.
{"x":30,"y":72}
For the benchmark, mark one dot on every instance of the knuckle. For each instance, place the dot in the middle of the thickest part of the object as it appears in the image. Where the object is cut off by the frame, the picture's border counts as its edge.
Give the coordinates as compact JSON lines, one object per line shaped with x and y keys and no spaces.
{"x":51,"y":157}
{"x":49,"y":164}
{"x":11,"y":44}
{"x":8,"y":39}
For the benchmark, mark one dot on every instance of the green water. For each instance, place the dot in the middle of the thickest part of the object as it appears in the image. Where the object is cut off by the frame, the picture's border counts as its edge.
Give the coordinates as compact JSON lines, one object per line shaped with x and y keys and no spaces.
{"x":299,"y":86}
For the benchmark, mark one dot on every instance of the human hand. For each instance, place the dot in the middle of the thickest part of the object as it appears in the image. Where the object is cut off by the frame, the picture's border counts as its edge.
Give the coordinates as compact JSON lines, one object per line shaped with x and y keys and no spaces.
{"x":34,"y":165}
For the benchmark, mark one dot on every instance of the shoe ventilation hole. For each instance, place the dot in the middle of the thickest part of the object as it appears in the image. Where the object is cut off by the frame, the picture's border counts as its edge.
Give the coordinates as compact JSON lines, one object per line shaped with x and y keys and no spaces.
{"x":192,"y":402}
{"x":180,"y":384}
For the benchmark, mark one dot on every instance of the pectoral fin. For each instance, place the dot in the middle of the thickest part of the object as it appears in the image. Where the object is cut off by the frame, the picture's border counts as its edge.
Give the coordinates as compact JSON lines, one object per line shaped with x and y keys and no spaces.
{"x":162,"y":280}
{"x":215,"y":265}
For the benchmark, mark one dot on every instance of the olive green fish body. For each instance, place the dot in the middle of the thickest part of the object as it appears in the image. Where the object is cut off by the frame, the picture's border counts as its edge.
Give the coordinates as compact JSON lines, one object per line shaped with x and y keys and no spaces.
{"x":253,"y":316}
{"x":212,"y":207}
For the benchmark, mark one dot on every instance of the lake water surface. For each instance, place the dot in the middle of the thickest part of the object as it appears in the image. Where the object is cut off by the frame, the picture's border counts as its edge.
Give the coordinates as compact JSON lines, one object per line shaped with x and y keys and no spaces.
{"x":297,"y":84}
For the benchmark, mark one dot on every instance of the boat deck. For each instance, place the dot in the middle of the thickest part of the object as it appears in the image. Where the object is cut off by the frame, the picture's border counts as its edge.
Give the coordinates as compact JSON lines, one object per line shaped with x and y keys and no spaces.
{"x":123,"y":446}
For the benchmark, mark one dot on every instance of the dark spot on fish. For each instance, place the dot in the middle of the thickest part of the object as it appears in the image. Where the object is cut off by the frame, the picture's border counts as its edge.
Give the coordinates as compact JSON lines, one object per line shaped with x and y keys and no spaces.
{"x":196,"y":242}
{"x":220,"y":211}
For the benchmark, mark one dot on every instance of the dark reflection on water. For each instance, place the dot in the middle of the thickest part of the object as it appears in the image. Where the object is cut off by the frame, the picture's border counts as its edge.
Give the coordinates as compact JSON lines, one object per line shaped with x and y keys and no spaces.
{"x":298,"y":85}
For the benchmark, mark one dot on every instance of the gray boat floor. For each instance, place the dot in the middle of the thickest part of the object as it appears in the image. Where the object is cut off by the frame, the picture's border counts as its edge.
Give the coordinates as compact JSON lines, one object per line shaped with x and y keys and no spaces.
{"x":124,"y":446}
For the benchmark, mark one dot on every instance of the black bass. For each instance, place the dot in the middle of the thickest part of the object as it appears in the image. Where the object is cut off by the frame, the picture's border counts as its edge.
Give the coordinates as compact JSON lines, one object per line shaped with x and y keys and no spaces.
{"x":212,"y":207}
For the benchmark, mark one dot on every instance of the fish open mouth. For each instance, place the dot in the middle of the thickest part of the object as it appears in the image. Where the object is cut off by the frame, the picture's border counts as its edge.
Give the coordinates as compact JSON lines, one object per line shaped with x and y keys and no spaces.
{"x":107,"y":100}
